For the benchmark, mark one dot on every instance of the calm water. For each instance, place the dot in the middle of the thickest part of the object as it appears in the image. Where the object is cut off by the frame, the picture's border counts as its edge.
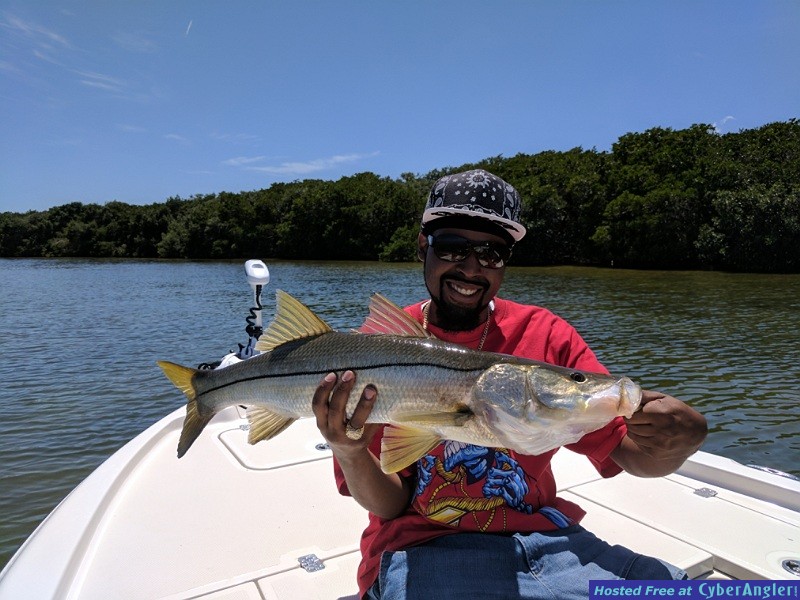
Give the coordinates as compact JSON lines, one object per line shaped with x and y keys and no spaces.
{"x":79,"y":340}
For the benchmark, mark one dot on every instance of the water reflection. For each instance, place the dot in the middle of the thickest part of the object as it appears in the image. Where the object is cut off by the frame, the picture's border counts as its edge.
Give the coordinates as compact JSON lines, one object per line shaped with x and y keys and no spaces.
{"x":725,"y":343}
{"x":80,"y":339}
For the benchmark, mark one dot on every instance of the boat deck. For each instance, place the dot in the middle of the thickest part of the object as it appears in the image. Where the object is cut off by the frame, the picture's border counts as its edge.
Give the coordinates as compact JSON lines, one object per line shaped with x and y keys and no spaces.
{"x":233,"y":521}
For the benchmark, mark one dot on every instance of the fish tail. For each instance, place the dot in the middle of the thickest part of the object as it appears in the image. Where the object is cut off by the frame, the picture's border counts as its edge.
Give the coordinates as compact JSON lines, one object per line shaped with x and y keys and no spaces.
{"x":194,"y":423}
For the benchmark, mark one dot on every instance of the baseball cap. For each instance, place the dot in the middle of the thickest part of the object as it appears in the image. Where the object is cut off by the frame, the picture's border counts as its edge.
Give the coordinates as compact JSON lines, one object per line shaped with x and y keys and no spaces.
{"x":476,"y":194}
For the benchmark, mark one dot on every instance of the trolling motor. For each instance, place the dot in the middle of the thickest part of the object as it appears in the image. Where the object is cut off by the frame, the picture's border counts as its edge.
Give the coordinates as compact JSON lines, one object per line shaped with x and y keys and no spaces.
{"x":257,"y":276}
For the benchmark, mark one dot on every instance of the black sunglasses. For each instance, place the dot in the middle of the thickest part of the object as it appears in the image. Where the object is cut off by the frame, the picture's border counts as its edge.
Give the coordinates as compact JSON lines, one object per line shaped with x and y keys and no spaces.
{"x":454,"y":248}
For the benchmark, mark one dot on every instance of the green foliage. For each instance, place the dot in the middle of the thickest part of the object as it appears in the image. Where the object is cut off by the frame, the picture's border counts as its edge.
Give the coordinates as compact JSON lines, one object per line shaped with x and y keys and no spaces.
{"x":402,"y":247}
{"x":660,"y":199}
{"x":755,"y":229}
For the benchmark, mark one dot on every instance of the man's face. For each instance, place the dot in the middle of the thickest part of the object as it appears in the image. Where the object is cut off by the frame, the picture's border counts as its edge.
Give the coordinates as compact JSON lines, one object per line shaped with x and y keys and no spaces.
{"x":460,"y":291}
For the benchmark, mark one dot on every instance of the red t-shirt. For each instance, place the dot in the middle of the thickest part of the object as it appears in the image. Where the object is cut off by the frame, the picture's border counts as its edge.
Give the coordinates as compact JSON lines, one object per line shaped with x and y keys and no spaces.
{"x":461,"y":487}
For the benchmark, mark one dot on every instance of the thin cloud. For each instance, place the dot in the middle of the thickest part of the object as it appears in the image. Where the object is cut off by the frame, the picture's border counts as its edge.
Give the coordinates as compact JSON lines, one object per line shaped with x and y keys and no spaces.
{"x":130,"y":128}
{"x":47,"y":58}
{"x":189,"y":27}
{"x":64,"y":142}
{"x":176,"y":137}
{"x":134,"y":42}
{"x":117,"y":87}
{"x":39,"y":35}
{"x":234,"y":137}
{"x":297,"y":168}
{"x":103,"y":82}
{"x":243,"y":161}
{"x":717,"y":126}
{"x":33,"y":39}
{"x":48,"y":46}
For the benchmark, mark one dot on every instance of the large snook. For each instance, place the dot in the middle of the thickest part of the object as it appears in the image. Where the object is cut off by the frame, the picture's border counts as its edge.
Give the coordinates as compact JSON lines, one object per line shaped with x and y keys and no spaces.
{"x":429,"y":390}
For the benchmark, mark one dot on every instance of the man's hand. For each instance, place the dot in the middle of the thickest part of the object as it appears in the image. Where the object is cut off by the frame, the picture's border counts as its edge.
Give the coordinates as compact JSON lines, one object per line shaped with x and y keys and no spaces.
{"x":662,"y":434}
{"x":330,"y":404}
{"x":386,"y":495}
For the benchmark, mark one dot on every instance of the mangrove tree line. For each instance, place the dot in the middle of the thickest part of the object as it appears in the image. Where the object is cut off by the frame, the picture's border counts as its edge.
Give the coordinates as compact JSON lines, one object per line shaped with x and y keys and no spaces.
{"x":663,"y":198}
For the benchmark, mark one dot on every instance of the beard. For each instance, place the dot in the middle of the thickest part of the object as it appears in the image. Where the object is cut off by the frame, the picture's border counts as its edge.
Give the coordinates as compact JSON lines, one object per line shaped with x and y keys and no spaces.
{"x":452,"y":317}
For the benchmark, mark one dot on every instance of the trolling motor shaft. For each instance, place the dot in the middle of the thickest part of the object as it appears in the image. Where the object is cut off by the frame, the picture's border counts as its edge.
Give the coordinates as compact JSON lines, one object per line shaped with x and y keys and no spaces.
{"x":257,"y":276}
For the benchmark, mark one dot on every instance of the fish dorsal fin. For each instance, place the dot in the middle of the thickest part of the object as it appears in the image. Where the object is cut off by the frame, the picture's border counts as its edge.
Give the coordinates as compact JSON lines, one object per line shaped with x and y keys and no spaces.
{"x":293,"y":321}
{"x":388,"y":318}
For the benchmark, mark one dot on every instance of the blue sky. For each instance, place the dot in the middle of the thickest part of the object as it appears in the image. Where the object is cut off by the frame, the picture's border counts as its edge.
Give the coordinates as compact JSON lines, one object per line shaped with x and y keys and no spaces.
{"x":138,"y":101}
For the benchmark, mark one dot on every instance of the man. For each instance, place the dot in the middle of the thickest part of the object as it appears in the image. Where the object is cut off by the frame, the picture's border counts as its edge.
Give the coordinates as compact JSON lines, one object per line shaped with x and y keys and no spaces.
{"x":515,"y":537}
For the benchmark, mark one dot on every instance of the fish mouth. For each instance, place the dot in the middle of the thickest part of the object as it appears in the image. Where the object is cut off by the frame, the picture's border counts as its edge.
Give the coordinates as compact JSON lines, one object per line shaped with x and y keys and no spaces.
{"x":621,"y":398}
{"x":629,"y":396}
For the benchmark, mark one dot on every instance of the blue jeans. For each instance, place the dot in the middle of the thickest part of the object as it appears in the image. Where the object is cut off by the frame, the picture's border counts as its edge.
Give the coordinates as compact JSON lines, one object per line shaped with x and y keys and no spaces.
{"x":556,"y":565}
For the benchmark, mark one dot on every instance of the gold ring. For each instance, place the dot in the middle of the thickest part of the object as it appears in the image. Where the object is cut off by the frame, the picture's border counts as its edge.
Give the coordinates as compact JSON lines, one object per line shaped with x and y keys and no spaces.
{"x":352,"y":432}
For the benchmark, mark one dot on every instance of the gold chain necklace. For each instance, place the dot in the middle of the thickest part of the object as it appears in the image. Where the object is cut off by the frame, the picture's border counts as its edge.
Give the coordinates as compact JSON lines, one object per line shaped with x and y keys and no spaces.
{"x":427,"y":306}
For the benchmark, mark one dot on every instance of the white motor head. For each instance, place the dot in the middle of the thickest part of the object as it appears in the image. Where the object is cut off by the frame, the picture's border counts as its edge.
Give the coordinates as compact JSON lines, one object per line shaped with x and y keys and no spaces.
{"x":257,"y":273}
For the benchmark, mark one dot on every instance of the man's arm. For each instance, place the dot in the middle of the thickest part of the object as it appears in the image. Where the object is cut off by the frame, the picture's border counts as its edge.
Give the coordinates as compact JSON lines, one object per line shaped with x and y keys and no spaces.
{"x":661,"y":436}
{"x":385,"y":495}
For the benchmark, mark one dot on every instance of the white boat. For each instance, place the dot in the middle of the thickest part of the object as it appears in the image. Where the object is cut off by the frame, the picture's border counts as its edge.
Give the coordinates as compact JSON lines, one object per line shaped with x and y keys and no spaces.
{"x":235,"y":521}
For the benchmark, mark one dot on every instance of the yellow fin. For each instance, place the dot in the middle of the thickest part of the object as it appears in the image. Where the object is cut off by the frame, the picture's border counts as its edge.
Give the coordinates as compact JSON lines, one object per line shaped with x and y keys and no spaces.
{"x":388,"y":318}
{"x":265,"y":424}
{"x":194,"y":423}
{"x":181,"y":376}
{"x":403,"y":446}
{"x":293,"y":321}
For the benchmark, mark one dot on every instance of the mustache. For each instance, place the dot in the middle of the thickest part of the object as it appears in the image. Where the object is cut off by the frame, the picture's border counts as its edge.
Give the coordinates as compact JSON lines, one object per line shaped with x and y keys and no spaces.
{"x":458,"y":279}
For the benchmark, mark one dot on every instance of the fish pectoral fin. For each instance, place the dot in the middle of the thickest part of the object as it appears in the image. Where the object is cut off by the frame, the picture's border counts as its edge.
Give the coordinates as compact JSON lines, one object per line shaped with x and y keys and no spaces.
{"x":403,"y":446}
{"x":265,"y":424}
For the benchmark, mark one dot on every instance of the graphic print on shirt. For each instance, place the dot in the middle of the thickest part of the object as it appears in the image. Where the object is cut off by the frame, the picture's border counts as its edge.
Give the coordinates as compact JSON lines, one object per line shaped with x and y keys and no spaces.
{"x":473,"y":482}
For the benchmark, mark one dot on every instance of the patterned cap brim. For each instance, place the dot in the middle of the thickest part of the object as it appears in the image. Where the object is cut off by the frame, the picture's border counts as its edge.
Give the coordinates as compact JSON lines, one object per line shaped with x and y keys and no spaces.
{"x":514,"y":229}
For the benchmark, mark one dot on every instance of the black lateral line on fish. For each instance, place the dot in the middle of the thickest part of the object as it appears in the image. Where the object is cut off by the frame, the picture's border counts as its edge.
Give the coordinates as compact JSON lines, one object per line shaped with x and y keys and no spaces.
{"x":326,"y":371}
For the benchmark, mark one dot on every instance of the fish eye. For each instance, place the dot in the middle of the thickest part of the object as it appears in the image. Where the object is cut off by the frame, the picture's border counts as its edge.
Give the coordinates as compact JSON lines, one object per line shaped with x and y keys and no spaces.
{"x":579,"y":377}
